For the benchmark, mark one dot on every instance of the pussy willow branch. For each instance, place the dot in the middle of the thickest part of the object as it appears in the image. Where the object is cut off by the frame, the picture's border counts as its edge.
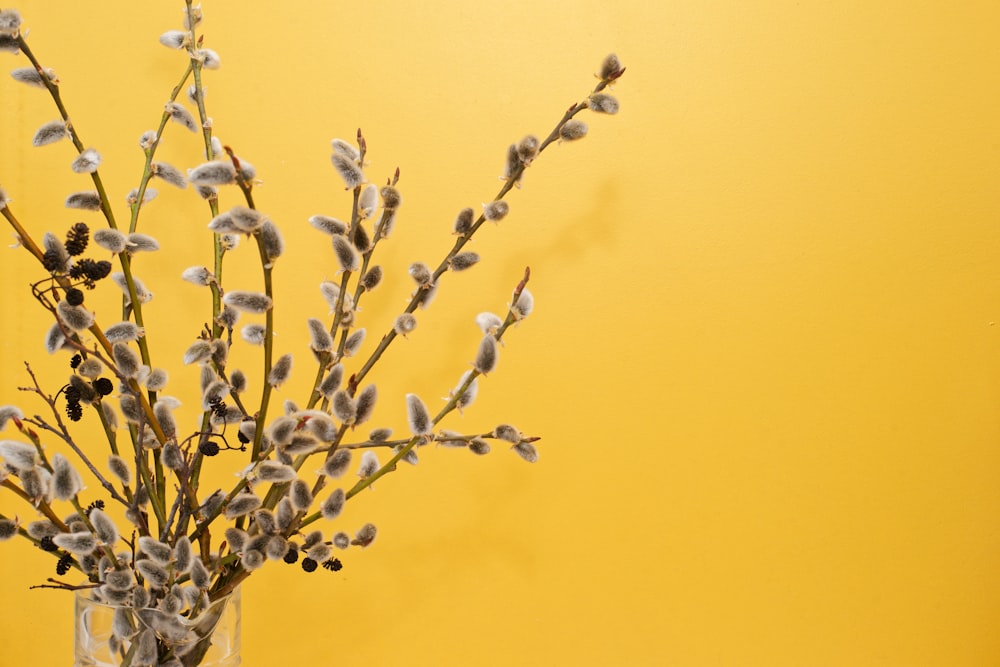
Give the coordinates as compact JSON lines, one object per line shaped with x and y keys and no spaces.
{"x":63,"y":433}
{"x":513,"y":179}
{"x":147,"y":169}
{"x":74,"y":135}
{"x":124,"y":258}
{"x":452,"y":403}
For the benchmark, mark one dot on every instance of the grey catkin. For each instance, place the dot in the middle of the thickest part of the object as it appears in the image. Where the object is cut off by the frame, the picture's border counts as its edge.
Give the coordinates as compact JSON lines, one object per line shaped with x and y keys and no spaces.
{"x":603,"y":103}
{"x":181,"y":116}
{"x":120,"y":469}
{"x":344,"y":407}
{"x":495,"y":211}
{"x":348,"y":170}
{"x":300,"y":495}
{"x":246,"y":219}
{"x":524,"y":305}
{"x":487,"y":355}
{"x":347,"y":254}
{"x":123,"y":332}
{"x":155,"y":574}
{"x":169,"y":173}
{"x":141,"y":243}
{"x":126,"y":359}
{"x":526,"y":451}
{"x":111,"y":240}
{"x":333,"y":505}
{"x":365,"y":404}
{"x":328,"y":225}
{"x":242,"y":505}
{"x":66,"y":481}
{"x":174,"y":39}
{"x":248,"y":302}
{"x":332,"y":381}
{"x":76,"y":318}
{"x":369,"y":464}
{"x":171,"y":456}
{"x":161,"y":553}
{"x":418,"y":417}
{"x":79,"y":544}
{"x":464,"y":221}
{"x":49,"y":133}
{"x":86,"y":162}
{"x":337,"y":463}
{"x":354,"y":342}
{"x":320,"y":339}
{"x":280,"y":371}
{"x":8,"y":412}
{"x":88,"y":200}
{"x":404,"y":324}
{"x":573,"y":130}
{"x":216,"y":172}
{"x":463,"y":261}
{"x":272,"y":241}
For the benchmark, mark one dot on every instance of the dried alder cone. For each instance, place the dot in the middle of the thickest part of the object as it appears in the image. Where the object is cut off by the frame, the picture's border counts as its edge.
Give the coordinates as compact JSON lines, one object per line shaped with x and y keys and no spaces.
{"x":144,"y":539}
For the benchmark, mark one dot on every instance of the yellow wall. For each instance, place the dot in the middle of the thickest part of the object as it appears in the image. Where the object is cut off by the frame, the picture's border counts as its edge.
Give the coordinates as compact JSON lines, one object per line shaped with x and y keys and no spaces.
{"x":764,"y":360}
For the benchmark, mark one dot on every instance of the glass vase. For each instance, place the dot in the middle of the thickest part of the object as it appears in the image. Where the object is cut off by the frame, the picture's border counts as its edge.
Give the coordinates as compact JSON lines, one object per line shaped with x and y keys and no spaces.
{"x":111,"y":635}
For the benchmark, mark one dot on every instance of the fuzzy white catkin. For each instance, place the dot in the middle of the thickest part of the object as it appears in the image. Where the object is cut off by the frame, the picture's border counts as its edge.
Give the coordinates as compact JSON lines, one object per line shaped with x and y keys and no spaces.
{"x":126,"y":359}
{"x":353,"y":342}
{"x":199,"y":351}
{"x":365,"y":404}
{"x":119,"y":468}
{"x":347,"y":254}
{"x":337,"y":464}
{"x":344,"y":407}
{"x":254,"y":333}
{"x":404,"y":324}
{"x":241,"y":505}
{"x":300,"y":495}
{"x":183,"y":554}
{"x":155,"y":549}
{"x":369,"y":464}
{"x":333,"y":505}
{"x":280,"y":371}
{"x":141,"y":243}
{"x":123,"y":332}
{"x":248,"y":302}
{"x":87,"y":162}
{"x":198,"y":275}
{"x":50,"y":133}
{"x":418,"y":417}
{"x":271,"y":240}
{"x":572,"y":130}
{"x":213,"y":173}
{"x":81,"y":543}
{"x":169,"y":173}
{"x":486,"y":357}
{"x":328,"y":225}
{"x":8,"y":412}
{"x":495,"y":211}
{"x":66,"y":481}
{"x":200,"y":576}
{"x":368,"y":201}
{"x":76,"y":318}
{"x":348,"y":170}
{"x":465,"y":398}
{"x":320,"y":338}
{"x":526,"y":451}
{"x":181,"y":116}
{"x":274,"y":472}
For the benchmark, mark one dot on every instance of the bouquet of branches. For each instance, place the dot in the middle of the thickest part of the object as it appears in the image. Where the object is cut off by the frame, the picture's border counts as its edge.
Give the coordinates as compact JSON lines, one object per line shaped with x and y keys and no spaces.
{"x":155,"y":539}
